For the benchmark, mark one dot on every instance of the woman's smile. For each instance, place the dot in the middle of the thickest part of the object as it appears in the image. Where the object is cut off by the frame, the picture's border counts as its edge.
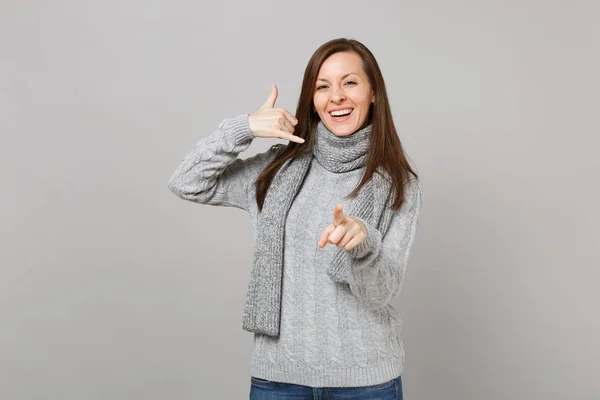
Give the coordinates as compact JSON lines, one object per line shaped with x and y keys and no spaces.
{"x":341,"y":115}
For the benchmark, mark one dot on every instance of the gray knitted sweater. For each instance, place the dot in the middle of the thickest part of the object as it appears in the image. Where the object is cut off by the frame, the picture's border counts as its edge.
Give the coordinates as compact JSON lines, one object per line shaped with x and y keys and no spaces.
{"x":331,"y":334}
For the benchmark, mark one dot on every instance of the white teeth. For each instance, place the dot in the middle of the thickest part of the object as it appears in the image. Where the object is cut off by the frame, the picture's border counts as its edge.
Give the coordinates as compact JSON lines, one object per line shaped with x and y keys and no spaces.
{"x":340,"y":113}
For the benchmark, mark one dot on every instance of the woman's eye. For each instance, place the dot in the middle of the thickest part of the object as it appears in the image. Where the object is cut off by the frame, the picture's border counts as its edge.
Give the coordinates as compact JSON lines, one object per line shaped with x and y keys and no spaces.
{"x":325,"y":86}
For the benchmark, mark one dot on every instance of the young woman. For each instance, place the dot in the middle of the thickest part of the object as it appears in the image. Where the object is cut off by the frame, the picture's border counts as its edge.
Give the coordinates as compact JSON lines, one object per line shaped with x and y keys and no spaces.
{"x":334,"y":213}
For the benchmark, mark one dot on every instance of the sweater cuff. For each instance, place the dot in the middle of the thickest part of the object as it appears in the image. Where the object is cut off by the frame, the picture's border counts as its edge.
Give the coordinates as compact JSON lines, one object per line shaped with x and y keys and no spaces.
{"x":371,"y":242}
{"x":238,"y":128}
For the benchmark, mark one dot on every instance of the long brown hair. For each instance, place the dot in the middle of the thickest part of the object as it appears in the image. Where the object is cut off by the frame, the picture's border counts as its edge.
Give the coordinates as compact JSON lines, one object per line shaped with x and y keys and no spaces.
{"x":385,"y":150}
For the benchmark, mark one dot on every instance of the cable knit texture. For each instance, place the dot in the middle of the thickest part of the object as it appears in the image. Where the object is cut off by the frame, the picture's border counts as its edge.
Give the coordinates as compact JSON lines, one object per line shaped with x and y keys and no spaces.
{"x":333,"y":332}
{"x":262,"y":312}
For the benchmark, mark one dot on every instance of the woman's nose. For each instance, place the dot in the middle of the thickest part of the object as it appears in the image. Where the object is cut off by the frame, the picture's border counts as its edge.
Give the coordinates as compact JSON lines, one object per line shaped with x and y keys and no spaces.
{"x":337,"y":95}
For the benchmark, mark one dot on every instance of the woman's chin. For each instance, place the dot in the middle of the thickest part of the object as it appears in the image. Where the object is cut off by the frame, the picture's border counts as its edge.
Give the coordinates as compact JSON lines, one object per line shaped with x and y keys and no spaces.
{"x":343,"y":129}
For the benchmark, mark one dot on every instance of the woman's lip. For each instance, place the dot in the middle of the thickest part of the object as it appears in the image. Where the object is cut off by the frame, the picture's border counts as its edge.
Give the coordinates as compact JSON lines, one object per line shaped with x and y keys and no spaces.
{"x":340,"y":119}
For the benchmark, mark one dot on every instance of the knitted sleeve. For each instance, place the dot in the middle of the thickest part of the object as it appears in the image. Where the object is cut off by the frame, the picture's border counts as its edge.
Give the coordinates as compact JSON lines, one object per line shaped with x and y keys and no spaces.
{"x":213,"y":174}
{"x":377,"y":266}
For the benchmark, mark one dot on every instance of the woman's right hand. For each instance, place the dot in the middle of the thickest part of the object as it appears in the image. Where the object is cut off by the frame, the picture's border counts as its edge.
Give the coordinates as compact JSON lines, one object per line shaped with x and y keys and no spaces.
{"x":270,"y":122}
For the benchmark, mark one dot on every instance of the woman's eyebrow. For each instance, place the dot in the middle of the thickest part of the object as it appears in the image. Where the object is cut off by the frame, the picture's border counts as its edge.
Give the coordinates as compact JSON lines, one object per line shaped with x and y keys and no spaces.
{"x":350,"y":73}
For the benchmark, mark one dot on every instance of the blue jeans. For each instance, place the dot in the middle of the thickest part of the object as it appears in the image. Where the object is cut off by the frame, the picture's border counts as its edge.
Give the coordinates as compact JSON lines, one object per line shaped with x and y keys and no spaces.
{"x":261,"y":389}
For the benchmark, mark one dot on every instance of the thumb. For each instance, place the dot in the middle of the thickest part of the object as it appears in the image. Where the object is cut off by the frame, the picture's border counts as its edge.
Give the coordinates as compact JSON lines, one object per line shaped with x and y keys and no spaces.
{"x":338,"y":215}
{"x":270,"y":103}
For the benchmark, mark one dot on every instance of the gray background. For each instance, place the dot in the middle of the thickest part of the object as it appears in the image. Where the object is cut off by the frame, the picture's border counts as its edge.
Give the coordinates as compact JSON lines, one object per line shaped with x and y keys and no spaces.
{"x":113,"y":288}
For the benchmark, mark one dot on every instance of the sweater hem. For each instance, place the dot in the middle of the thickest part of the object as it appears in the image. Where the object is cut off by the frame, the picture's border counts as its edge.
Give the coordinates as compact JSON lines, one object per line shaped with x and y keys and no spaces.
{"x":328,"y":377}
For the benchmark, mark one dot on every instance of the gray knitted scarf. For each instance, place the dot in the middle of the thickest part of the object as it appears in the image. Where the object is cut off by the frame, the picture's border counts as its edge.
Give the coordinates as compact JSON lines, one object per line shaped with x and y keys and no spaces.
{"x":337,"y":154}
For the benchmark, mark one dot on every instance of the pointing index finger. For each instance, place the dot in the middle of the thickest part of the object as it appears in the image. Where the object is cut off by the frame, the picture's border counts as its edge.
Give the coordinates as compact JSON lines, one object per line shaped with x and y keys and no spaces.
{"x":338,"y":215}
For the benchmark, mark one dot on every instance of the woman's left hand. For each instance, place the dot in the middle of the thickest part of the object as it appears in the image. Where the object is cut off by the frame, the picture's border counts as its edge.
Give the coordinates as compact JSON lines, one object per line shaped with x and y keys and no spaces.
{"x":345,"y":231}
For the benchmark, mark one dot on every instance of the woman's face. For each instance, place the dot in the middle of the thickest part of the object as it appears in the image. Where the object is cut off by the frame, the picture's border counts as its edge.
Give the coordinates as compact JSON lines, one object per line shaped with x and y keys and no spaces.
{"x":342,"y":86}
